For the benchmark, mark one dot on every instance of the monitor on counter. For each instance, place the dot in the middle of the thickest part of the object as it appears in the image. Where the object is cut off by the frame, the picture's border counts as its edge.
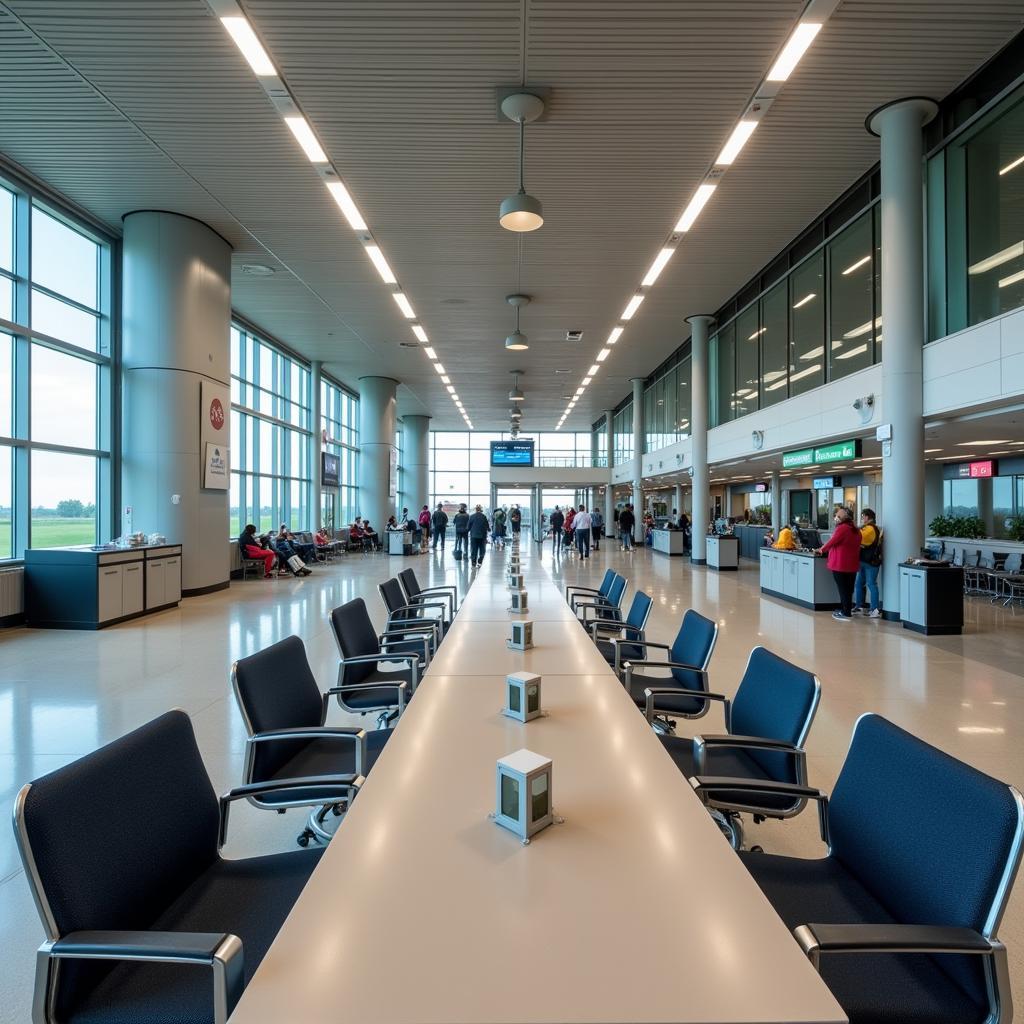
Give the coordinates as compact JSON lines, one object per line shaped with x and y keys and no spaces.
{"x":512,"y":453}
{"x":809,"y":538}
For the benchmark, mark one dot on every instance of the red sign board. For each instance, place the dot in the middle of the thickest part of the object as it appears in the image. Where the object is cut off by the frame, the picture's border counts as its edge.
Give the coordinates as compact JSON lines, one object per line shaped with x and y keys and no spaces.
{"x":977,"y":470}
{"x":216,"y":414}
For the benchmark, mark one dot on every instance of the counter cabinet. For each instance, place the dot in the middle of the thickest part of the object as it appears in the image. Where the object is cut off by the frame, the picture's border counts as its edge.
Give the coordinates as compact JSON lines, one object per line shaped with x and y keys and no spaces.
{"x":799,"y":577}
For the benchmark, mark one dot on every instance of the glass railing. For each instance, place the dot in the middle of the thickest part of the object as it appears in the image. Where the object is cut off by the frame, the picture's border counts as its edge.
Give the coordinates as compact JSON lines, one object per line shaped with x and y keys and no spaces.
{"x":572,"y":461}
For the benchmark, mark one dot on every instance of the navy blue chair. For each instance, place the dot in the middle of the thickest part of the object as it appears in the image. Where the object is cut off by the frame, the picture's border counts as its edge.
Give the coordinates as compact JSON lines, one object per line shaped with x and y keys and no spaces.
{"x":145,"y":921}
{"x":766,"y":727}
{"x":415,"y":594}
{"x":364,"y":687}
{"x":617,"y":640}
{"x":425,"y":614}
{"x":607,"y":608}
{"x":285,"y":714}
{"x":689,"y":655}
{"x":602,"y":591}
{"x":901,"y":916}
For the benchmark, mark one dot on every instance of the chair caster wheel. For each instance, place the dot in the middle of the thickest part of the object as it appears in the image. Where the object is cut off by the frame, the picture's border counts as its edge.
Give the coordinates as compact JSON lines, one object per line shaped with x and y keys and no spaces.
{"x":303,"y":840}
{"x":757,"y":849}
{"x":337,"y":810}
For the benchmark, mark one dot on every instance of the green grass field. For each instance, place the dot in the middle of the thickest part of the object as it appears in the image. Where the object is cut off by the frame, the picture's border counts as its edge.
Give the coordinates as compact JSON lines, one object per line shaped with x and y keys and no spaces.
{"x":51,"y":533}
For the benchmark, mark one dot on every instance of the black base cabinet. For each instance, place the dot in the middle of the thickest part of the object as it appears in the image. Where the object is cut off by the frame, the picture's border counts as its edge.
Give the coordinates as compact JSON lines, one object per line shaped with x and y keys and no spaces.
{"x":932,"y":599}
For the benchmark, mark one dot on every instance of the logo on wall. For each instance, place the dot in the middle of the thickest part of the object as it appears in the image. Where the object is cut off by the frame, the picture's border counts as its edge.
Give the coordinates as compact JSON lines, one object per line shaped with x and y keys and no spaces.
{"x":216,"y":414}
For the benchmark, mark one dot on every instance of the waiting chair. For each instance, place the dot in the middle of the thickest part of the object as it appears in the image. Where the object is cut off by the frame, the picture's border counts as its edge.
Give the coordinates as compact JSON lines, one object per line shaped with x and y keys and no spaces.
{"x":630,"y":629}
{"x":401,"y":612}
{"x":250,"y":564}
{"x":766,"y":726}
{"x":415,"y":594}
{"x":363,"y":686}
{"x":608,"y":608}
{"x":901,"y":916}
{"x":145,"y":921}
{"x":688,"y":658}
{"x":602,"y":591}
{"x":284,"y":714}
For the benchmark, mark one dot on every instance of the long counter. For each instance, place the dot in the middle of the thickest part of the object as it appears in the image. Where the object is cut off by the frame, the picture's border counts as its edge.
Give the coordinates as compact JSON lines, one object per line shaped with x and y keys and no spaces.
{"x":633,"y":909}
{"x":668,"y":542}
{"x":751,"y":538}
{"x":800,"y":577}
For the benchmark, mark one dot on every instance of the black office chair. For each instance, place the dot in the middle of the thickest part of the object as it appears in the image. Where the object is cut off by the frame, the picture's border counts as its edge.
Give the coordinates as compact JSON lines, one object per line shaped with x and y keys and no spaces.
{"x":423,"y":613}
{"x":608,"y":608}
{"x":363,"y":686}
{"x":415,"y":594}
{"x":688,"y":658}
{"x":284,"y":713}
{"x":631,"y":628}
{"x":601,"y":591}
{"x":145,"y":922}
{"x":766,"y":726}
{"x":901,"y":916}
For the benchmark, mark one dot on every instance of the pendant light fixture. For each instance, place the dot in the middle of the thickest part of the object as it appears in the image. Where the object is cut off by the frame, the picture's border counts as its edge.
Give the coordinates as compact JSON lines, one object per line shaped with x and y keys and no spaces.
{"x":517,"y":341}
{"x":521,"y":211}
{"x":515,"y":395}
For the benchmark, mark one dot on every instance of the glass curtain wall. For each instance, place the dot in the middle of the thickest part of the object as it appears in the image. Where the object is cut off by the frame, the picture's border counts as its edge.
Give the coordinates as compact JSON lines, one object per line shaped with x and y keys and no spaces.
{"x":667,"y":407}
{"x":340,"y":421}
{"x":271,"y":480}
{"x":56,"y":352}
{"x":622,"y":434}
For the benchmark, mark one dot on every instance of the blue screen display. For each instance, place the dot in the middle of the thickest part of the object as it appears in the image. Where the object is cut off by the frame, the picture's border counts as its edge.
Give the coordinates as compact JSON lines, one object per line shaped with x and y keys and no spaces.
{"x":512,"y":453}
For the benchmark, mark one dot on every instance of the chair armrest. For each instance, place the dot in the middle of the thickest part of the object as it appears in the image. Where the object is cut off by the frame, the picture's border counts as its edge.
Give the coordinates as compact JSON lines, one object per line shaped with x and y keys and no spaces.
{"x":222,"y":952}
{"x":594,"y":611}
{"x":653,"y":692}
{"x":651,"y":643}
{"x":340,"y":691}
{"x":703,"y":743}
{"x":416,"y":606}
{"x":705,"y":786}
{"x":816,"y":939}
{"x":319,"y":732}
{"x":399,"y":621}
{"x":330,"y":785}
{"x":607,"y":626}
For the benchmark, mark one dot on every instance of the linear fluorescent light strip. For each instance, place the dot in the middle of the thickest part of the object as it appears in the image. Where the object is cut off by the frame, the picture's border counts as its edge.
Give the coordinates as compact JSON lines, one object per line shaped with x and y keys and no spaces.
{"x":804,"y":300}
{"x":603,"y":354}
{"x":631,"y":307}
{"x":853,"y":352}
{"x":1011,"y":252}
{"x":404,"y":305}
{"x":856,"y":266}
{"x":377,"y":257}
{"x":1005,"y":282}
{"x":657,"y":267}
{"x":431,"y":354}
{"x":421,"y":335}
{"x":695,"y":205}
{"x":341,"y":196}
{"x":740,"y":134}
{"x":797,"y":45}
{"x":615,"y":335}
{"x":593,"y":370}
{"x":440,"y":369}
{"x":1010,"y":166}
{"x":252,"y":50}
{"x":306,"y":139}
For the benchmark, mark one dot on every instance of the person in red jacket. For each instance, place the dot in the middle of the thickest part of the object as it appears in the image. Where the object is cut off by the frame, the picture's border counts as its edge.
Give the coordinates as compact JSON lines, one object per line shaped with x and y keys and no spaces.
{"x":843,"y":550}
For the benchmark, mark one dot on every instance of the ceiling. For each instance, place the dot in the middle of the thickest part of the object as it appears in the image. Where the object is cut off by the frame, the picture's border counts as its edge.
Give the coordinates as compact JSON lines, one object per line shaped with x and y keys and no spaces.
{"x":122,"y":104}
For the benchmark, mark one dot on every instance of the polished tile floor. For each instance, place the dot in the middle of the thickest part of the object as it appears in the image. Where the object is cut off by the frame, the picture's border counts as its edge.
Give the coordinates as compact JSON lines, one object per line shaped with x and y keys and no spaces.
{"x":64,"y":693}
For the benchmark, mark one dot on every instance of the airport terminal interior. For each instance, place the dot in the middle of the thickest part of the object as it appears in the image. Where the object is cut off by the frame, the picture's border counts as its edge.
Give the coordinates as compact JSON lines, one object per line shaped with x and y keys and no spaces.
{"x":511,"y":511}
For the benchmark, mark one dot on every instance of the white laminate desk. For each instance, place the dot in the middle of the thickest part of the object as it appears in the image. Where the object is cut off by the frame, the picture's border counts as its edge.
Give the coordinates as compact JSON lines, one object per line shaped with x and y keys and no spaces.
{"x":423,"y":911}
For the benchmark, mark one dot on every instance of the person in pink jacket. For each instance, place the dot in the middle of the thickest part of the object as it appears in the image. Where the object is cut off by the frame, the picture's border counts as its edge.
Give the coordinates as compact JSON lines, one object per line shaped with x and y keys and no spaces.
{"x":843,"y":550}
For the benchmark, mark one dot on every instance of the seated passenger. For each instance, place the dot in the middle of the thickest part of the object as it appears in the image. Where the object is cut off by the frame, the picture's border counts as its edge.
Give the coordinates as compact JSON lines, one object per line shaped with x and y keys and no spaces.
{"x":786,"y":541}
{"x":249,"y":545}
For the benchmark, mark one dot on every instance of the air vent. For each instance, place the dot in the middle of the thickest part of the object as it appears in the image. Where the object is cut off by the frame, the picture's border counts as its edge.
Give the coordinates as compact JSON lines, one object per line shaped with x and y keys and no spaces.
{"x":573,"y":335}
{"x":407,"y":344}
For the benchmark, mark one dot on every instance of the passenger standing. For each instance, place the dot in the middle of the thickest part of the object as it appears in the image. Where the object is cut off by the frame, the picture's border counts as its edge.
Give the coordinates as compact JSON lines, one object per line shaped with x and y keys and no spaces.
{"x":557,"y":523}
{"x":439,"y":526}
{"x":684,"y":525}
{"x":582,"y":525}
{"x":843,"y":550}
{"x":461,"y":522}
{"x":596,"y":527}
{"x":498,"y":528}
{"x":424,"y":523}
{"x":626,"y":522}
{"x":570,"y":525}
{"x":515,"y":517}
{"x":477,"y":536}
{"x":870,"y":563}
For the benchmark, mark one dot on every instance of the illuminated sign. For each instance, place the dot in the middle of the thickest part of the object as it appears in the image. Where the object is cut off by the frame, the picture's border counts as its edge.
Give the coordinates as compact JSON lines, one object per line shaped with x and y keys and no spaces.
{"x":838,"y":451}
{"x":976,"y":470}
{"x":826,"y":483}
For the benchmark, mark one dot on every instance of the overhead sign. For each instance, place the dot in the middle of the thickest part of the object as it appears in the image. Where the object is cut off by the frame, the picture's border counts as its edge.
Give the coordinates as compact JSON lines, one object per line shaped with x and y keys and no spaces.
{"x":512,"y":453}
{"x":760,"y":488}
{"x":976,"y":470}
{"x":838,"y":451}
{"x":825,"y":483}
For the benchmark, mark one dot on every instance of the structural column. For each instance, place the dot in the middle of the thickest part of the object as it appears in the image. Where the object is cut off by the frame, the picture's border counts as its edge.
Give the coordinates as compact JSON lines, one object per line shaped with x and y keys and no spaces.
{"x":899,"y":126}
{"x":678,"y":498}
{"x":176,"y":380}
{"x":415,"y":462}
{"x":776,"y":494}
{"x":609,"y":491}
{"x":638,"y":454}
{"x":378,"y":456}
{"x":701,"y":496}
{"x":317,"y":498}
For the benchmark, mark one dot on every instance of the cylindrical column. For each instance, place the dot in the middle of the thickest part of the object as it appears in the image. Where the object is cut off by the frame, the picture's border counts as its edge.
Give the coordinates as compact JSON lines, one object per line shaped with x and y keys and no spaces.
{"x":609,"y":496}
{"x":701,"y":496}
{"x":899,"y":125}
{"x":776,"y":503}
{"x":416,"y":462}
{"x":638,"y":454}
{"x":176,"y":381}
{"x":378,"y":456}
{"x":677,"y":497}
{"x":317,"y":498}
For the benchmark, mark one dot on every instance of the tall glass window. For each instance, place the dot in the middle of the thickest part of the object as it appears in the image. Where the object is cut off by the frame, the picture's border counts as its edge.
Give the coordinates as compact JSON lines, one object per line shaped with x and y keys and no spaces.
{"x":807,"y":325}
{"x":851,"y":299}
{"x":774,"y":344}
{"x":340,"y":421}
{"x":56,"y":344}
{"x":723,"y":375}
{"x":748,"y":337}
{"x":271,"y":425}
{"x":622,"y":429}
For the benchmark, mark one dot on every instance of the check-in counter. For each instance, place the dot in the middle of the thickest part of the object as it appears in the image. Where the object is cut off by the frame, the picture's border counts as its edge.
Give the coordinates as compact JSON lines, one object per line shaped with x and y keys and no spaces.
{"x":751,"y":539}
{"x":668,"y":542}
{"x":932,"y":599}
{"x":723,"y":552}
{"x":800,"y":577}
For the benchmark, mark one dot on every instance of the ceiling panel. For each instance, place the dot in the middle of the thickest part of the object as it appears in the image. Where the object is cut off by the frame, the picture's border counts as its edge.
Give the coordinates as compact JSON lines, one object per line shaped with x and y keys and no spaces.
{"x":121,"y":105}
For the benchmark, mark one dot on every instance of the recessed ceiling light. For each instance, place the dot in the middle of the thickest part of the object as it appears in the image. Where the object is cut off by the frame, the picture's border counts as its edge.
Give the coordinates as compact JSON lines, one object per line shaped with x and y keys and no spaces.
{"x":802,"y":37}
{"x":657,"y":267}
{"x":853,"y":352}
{"x":736,"y":142}
{"x":603,"y":354}
{"x":404,"y":305}
{"x":445,"y":380}
{"x":1004,"y":282}
{"x":440,"y":369}
{"x":615,"y":335}
{"x":252,"y":50}
{"x":593,"y":370}
{"x":387,"y":276}
{"x":631,"y":307}
{"x":932,"y":451}
{"x":306,"y":139}
{"x":451,"y":390}
{"x":1011,"y":252}
{"x":856,"y":266}
{"x":805,"y":300}
{"x":431,"y":354}
{"x":587,"y":380}
{"x":695,"y":205}
{"x":421,"y":335}
{"x":980,"y":444}
{"x":1010,"y":166}
{"x":348,"y":207}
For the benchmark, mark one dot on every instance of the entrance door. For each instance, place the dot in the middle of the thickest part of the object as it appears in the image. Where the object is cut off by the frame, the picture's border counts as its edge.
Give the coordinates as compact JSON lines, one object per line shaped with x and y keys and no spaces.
{"x":521,"y":496}
{"x":327,"y":511}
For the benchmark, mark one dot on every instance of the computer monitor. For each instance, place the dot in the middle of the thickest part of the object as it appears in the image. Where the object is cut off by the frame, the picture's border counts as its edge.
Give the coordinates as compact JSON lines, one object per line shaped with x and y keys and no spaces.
{"x":809,"y":538}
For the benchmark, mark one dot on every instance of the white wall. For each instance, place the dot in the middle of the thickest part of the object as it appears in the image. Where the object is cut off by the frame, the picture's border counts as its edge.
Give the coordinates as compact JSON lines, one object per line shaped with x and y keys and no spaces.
{"x":549,"y":476}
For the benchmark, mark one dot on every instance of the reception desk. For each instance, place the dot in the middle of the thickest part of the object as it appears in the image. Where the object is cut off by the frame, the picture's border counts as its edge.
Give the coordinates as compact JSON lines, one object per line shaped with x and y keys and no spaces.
{"x":668,"y":542}
{"x":800,"y":577}
{"x":723,"y":553}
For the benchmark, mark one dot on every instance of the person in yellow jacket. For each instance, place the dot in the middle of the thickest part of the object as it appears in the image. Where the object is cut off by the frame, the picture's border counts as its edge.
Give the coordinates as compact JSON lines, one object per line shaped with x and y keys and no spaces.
{"x":786,"y":541}
{"x":870,"y":563}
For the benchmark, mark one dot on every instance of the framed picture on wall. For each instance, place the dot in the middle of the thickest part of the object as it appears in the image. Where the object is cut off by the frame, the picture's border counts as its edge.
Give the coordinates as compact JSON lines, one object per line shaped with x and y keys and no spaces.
{"x":216,"y":467}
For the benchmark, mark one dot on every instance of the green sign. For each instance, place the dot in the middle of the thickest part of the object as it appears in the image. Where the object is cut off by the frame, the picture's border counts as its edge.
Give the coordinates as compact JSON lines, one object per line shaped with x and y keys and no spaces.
{"x":838,"y":451}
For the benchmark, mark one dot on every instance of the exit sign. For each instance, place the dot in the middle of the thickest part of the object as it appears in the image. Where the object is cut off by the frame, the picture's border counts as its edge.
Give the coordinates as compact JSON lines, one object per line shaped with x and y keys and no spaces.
{"x":838,"y":451}
{"x":976,"y":470}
